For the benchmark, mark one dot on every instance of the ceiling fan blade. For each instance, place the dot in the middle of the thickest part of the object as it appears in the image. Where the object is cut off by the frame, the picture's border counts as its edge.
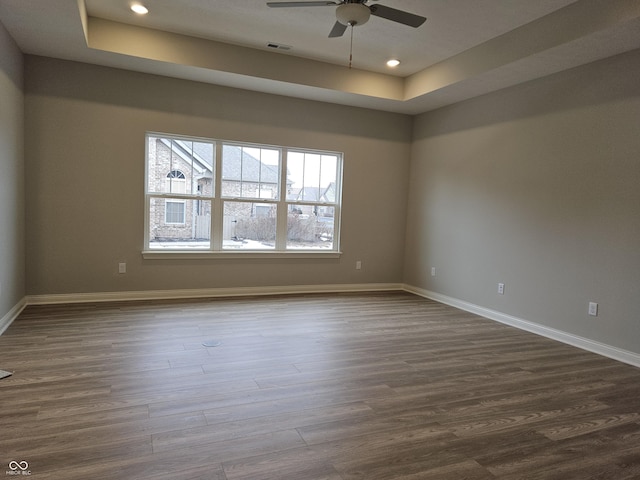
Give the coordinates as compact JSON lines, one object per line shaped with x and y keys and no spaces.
{"x":301,"y":4}
{"x":396,"y":15}
{"x":337,"y":30}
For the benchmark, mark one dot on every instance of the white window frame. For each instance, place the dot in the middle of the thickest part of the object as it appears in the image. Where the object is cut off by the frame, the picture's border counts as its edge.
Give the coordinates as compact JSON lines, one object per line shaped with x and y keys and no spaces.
{"x":283,"y":206}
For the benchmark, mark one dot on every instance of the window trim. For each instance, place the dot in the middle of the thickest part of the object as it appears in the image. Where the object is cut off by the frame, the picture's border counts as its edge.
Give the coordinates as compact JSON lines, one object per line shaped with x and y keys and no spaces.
{"x":217,"y":200}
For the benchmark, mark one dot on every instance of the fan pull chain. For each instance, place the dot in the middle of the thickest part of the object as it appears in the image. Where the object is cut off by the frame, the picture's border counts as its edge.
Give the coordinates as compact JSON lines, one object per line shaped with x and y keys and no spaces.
{"x":351,"y":47}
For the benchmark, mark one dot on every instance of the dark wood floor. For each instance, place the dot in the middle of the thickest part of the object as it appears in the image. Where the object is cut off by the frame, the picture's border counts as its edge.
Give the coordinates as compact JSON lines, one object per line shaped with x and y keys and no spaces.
{"x":331,"y":387}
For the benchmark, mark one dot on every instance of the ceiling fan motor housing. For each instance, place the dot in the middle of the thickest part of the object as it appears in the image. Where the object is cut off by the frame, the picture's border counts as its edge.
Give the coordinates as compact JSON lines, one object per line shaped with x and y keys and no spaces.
{"x":353,"y":14}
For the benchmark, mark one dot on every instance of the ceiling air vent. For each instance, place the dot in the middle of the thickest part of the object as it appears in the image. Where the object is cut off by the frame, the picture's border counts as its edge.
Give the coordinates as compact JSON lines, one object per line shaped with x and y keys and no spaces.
{"x":278,"y":46}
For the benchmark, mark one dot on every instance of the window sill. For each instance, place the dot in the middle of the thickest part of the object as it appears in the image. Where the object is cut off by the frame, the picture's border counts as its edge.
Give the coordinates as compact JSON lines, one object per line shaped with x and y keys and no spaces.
{"x":247,"y":254}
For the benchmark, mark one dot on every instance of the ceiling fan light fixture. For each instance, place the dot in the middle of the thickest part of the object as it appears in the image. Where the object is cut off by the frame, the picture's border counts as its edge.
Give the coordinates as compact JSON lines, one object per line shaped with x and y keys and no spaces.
{"x":353,"y":14}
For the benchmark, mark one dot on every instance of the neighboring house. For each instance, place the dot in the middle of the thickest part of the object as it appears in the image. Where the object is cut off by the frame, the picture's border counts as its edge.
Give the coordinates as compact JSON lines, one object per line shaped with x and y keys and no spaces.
{"x":184,"y":167}
{"x":313,"y":194}
{"x":246,"y":177}
{"x":311,"y":222}
{"x":180,"y":167}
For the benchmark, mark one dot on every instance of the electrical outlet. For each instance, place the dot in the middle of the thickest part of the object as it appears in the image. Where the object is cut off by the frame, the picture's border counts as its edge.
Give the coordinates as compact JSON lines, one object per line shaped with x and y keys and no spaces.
{"x":593,"y":309}
{"x":501,"y":288}
{"x":122,"y":267}
{"x":433,"y":271}
{"x":358,"y":265}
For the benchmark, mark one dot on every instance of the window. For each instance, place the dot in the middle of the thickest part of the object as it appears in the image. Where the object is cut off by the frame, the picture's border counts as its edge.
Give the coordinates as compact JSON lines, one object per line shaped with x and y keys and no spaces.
{"x":311,"y":198}
{"x":176,"y":182}
{"x":174,"y":212}
{"x":215,"y":196}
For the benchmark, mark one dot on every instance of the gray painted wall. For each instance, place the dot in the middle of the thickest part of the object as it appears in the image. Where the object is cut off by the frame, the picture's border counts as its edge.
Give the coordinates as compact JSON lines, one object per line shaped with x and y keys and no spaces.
{"x":536,"y":186}
{"x":85,"y":158}
{"x":12,"y":210}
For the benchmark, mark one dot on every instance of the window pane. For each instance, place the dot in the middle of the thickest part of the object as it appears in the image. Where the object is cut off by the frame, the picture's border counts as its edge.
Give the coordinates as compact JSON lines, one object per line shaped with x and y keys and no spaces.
{"x":179,"y":224}
{"x":310,"y":227}
{"x":311,"y":177}
{"x":179,"y":166}
{"x":250,"y":172}
{"x":249,"y":226}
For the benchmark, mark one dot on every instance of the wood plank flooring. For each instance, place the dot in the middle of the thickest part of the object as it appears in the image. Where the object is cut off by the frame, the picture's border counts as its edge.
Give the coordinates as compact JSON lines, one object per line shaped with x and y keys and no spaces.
{"x":317,"y":387}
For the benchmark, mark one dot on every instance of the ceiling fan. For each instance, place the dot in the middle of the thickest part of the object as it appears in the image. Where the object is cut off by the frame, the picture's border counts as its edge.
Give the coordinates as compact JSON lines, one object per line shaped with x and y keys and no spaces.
{"x":350,"y":13}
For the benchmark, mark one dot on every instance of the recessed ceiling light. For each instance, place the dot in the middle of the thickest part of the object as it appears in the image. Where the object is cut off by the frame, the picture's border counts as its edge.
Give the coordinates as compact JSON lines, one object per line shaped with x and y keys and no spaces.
{"x":393,"y":63}
{"x":139,"y":9}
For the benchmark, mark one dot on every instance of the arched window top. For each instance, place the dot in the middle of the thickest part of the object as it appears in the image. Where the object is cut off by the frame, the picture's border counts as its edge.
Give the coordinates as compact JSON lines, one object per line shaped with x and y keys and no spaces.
{"x":176,"y":182}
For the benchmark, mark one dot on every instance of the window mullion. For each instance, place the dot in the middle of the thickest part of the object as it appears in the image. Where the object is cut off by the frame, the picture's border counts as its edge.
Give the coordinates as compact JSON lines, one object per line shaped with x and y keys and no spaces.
{"x":217,"y":215}
{"x":282,"y":211}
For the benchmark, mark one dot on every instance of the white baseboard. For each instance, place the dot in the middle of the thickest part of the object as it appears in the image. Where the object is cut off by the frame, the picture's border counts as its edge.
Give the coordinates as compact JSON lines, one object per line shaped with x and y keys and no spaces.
{"x":208,"y":293}
{"x":603,"y":349}
{"x":12,"y":315}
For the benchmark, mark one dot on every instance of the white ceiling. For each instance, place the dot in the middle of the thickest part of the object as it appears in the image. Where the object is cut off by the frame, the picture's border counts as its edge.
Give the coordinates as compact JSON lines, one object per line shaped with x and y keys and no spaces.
{"x":466,"y":47}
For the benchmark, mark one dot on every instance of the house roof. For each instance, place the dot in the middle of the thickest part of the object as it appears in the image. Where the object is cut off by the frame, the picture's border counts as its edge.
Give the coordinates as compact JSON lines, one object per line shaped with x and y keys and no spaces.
{"x":238,"y":165}
{"x":198,"y":154}
{"x":314,"y":194}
